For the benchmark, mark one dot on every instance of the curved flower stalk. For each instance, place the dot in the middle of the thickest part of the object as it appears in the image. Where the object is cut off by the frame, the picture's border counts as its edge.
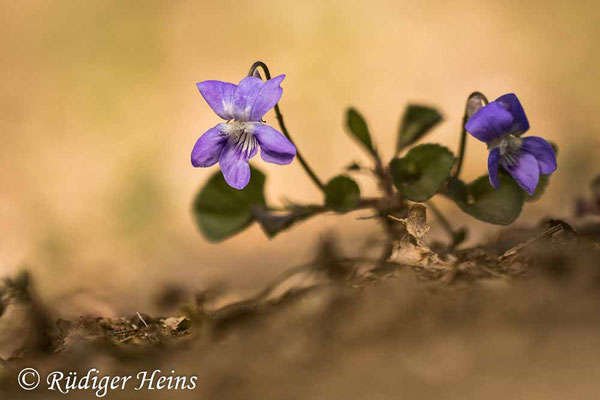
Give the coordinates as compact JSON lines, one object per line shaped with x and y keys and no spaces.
{"x":500,"y":124}
{"x":233,"y":143}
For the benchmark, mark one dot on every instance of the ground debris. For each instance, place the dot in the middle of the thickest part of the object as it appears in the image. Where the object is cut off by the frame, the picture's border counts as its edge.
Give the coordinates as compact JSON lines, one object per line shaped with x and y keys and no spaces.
{"x":176,"y":324}
{"x":478,"y":262}
{"x":557,"y":232}
{"x":551,"y":249}
{"x":411,"y":250}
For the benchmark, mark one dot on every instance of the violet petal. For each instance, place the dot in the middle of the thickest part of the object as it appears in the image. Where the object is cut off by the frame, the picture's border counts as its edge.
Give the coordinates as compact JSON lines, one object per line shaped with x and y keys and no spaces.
{"x":234,"y":165}
{"x":542,"y":151}
{"x":254,"y":98}
{"x":493,"y":163}
{"x":526,"y":171}
{"x":208,"y":147}
{"x":219,"y":96}
{"x":489,"y":123}
{"x":512,"y":104}
{"x":274,"y":147}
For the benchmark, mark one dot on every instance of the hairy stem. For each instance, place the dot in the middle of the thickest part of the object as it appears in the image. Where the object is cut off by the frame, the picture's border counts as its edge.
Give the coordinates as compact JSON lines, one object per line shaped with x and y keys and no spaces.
{"x":473,"y":104}
{"x":307,"y":168}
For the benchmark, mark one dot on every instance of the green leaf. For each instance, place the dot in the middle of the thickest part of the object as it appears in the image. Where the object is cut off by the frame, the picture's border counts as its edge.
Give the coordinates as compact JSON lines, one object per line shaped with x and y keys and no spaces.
{"x":222,"y":211}
{"x":274,"y":222}
{"x":480,"y":200}
{"x":357,"y":127}
{"x":416,"y":122}
{"x":342,"y":194}
{"x":420,"y":174}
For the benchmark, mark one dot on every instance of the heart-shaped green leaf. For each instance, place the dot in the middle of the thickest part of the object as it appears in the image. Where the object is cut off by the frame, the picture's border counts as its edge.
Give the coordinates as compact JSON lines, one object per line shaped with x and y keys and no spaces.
{"x":222,"y":211}
{"x":358,"y":129}
{"x":416,"y":122}
{"x":480,"y":200}
{"x":342,"y":194}
{"x":420,"y":174}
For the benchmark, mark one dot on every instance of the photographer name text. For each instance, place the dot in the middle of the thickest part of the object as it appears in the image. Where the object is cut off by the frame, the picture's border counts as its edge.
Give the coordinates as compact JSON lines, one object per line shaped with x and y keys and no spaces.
{"x":66,"y":382}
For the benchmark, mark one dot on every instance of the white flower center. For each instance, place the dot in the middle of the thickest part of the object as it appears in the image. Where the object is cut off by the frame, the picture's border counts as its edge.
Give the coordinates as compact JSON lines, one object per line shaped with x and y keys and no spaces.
{"x":509,"y":146}
{"x":240,"y":133}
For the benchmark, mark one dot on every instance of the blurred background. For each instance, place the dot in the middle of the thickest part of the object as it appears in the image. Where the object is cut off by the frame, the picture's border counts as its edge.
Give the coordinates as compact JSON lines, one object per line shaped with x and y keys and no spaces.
{"x":99,"y":112}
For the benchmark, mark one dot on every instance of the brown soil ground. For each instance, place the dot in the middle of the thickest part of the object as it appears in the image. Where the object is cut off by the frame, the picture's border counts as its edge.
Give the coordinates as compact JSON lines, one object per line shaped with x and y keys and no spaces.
{"x":515,"y":319}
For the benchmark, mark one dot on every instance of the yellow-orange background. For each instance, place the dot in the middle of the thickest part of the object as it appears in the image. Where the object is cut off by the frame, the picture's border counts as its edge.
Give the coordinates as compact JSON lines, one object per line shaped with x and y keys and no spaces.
{"x":99,"y":112}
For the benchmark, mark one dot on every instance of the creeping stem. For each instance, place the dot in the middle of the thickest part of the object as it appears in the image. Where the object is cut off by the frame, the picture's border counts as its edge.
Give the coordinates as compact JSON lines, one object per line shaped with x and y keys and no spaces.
{"x":473,"y":104}
{"x":307,"y":168}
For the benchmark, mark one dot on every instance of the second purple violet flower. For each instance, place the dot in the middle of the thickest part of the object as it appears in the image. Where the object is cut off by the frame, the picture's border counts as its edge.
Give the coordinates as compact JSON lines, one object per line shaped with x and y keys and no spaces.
{"x":500,"y":124}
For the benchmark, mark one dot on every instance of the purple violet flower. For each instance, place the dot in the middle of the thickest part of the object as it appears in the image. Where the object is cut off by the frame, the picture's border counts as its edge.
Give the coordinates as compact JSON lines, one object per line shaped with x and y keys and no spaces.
{"x":500,"y":124}
{"x":233,"y":143}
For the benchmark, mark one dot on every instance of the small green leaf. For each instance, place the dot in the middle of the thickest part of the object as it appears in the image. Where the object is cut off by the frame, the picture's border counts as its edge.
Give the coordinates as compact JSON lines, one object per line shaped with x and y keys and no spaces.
{"x":419,"y":175}
{"x":357,"y":127}
{"x":273,"y":222}
{"x":342,"y":194}
{"x":480,"y":200}
{"x":416,"y":122}
{"x":222,"y":211}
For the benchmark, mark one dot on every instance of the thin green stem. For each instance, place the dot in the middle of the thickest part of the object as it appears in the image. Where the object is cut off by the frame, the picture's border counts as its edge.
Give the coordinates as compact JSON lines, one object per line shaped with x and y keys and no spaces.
{"x":307,"y":168}
{"x":475,"y":96}
{"x":455,"y":236}
{"x":367,"y":202}
{"x":442,"y":219}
